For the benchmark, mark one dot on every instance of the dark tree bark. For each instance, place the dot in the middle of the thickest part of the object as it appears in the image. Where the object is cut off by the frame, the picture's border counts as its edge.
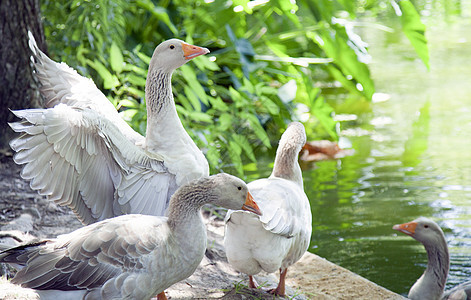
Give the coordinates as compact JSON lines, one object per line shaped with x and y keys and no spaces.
{"x":17,"y":87}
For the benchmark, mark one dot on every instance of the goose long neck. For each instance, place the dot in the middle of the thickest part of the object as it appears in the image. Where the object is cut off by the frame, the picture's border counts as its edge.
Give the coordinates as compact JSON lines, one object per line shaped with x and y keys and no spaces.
{"x":438,"y":263}
{"x":432,"y":283}
{"x":158,"y":92}
{"x":185,"y":204}
{"x":286,"y":162}
{"x":162,"y":116}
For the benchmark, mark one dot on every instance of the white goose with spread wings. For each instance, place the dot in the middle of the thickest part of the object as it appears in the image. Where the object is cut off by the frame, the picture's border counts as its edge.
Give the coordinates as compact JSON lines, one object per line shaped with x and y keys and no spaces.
{"x":130,"y":256}
{"x":80,"y":153}
{"x":281,"y":235}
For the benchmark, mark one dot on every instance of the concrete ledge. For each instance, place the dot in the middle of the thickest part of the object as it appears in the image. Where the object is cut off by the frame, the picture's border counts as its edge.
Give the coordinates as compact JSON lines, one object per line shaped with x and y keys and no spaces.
{"x":318,"y":278}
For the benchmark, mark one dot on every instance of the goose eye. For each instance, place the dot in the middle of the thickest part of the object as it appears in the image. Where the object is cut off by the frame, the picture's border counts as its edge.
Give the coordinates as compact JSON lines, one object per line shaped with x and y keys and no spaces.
{"x":172,"y":46}
{"x":425,"y":226}
{"x":239,"y":188}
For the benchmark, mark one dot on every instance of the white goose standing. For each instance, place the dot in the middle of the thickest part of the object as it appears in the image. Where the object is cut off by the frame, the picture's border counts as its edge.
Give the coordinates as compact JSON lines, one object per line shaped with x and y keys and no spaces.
{"x":431,"y":284}
{"x":281,"y":235}
{"x":130,"y":256}
{"x":80,"y":153}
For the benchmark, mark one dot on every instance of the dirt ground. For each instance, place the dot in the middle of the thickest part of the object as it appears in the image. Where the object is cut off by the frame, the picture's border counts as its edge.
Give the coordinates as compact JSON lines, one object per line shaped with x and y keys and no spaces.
{"x":311,"y":278}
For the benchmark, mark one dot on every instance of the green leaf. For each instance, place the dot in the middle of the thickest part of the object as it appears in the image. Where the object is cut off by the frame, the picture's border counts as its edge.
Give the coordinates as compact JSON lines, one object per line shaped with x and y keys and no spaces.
{"x":191,"y":96}
{"x":346,"y":83}
{"x":243,"y":142}
{"x":323,"y":113}
{"x":226,"y":121}
{"x":218,"y":104}
{"x":414,"y":29}
{"x":345,"y":58}
{"x":128,"y":114}
{"x":269,"y":105}
{"x":133,"y":91}
{"x":159,"y":12}
{"x":190,"y":77}
{"x":349,"y":5}
{"x":213,"y":155}
{"x":116,"y":58}
{"x":144,"y":57}
{"x":128,"y":103}
{"x":136,"y":80}
{"x":200,"y":117}
{"x":183,"y":101}
{"x":248,"y":86}
{"x":321,"y":109}
{"x":257,"y":128}
{"x":234,"y":153}
{"x":109,"y":81}
{"x":203,"y":63}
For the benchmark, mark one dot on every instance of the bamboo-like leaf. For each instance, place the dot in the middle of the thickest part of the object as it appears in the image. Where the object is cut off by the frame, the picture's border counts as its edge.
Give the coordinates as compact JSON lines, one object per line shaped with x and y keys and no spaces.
{"x":137,"y":93}
{"x":128,"y":103}
{"x":323,"y":113}
{"x":257,"y":128}
{"x":213,"y":155}
{"x":345,"y":58}
{"x":225,"y":121}
{"x":414,"y":29}
{"x":218,"y":104}
{"x":191,"y":96}
{"x":159,"y":12}
{"x":116,"y":58}
{"x":109,"y":81}
{"x":200,"y":117}
{"x":269,"y":105}
{"x":234,"y":153}
{"x":243,"y":142}
{"x":190,"y":77}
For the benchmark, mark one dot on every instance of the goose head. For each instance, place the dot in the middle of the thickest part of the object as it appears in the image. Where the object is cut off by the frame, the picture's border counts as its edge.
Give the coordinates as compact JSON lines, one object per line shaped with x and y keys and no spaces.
{"x":423,"y":230}
{"x":232,"y":193}
{"x":174,"y":53}
{"x":222,"y":190}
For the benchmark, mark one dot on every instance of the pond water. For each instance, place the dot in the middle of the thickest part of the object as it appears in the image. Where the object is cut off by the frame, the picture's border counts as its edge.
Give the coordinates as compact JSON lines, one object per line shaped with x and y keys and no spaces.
{"x":412,"y":158}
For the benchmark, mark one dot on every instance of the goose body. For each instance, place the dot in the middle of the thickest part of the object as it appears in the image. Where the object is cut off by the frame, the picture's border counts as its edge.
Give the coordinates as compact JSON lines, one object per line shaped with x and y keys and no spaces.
{"x":130,"y":256}
{"x":431,"y":284}
{"x":280,"y":236}
{"x":79,"y":152}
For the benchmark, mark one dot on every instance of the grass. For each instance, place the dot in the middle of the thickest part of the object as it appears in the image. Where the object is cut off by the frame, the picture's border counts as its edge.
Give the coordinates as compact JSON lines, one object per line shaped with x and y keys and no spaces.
{"x":242,"y":291}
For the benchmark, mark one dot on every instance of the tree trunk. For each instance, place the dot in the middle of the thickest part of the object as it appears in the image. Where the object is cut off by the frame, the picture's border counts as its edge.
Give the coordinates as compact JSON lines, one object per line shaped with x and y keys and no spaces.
{"x":17,"y":87}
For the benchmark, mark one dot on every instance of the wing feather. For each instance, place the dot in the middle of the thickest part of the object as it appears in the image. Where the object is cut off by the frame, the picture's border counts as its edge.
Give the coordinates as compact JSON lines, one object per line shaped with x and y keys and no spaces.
{"x":78,"y":160}
{"x":83,"y":259}
{"x":275,"y":197}
{"x":61,"y":84}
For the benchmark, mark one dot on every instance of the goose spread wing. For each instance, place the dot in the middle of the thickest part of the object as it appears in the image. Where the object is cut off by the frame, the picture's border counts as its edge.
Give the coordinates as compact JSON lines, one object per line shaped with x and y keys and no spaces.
{"x":61,"y":84}
{"x":285,"y":207}
{"x":78,"y":159}
{"x":108,"y":254}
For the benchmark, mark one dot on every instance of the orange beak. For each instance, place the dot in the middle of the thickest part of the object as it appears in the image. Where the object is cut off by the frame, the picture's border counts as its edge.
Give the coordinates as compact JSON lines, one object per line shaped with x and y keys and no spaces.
{"x":251,"y":206}
{"x":407,"y":228}
{"x":190,"y":51}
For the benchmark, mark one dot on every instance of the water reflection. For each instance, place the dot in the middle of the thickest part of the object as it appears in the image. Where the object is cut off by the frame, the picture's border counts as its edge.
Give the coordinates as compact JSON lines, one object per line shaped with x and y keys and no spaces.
{"x":412,"y":158}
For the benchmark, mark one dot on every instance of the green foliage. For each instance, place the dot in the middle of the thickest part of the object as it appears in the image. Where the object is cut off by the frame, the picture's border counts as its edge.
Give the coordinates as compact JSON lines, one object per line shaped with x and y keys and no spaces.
{"x":260,"y":75}
{"x":414,"y":29}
